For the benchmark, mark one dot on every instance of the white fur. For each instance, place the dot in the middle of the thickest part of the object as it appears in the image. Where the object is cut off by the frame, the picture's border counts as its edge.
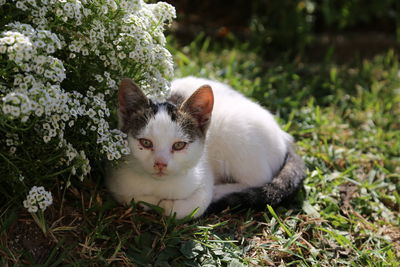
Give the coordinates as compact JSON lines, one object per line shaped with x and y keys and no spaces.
{"x":245,"y":145}
{"x":188,"y":182}
{"x":244,"y":148}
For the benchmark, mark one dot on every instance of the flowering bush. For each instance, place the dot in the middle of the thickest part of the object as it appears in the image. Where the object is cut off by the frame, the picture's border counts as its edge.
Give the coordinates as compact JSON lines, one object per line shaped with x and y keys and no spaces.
{"x":60,"y":63}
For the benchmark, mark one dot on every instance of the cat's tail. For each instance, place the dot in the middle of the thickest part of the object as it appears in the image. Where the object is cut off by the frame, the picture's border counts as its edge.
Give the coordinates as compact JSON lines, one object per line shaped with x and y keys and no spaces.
{"x":288,"y":180}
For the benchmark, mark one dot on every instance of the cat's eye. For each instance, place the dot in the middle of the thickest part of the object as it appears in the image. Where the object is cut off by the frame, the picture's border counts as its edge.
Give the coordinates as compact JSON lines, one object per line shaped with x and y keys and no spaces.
{"x":179,"y":146}
{"x":146,"y":143}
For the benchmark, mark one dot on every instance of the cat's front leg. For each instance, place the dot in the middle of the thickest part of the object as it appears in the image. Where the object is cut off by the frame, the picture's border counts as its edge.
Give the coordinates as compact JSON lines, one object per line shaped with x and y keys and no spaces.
{"x":181,"y":207}
{"x":200,"y":199}
{"x":150,"y":199}
{"x":168,"y":206}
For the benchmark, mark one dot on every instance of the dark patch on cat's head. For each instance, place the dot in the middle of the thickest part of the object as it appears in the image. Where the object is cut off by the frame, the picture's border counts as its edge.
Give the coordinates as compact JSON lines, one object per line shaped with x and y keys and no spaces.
{"x":192,"y":115}
{"x":195,"y":112}
{"x":199,"y":106}
{"x":134,"y":107}
{"x":176,"y":99}
{"x":189,"y":126}
{"x":170,"y":108}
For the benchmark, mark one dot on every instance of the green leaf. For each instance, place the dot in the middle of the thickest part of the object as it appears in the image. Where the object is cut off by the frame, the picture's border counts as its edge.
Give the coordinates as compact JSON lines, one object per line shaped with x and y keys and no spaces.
{"x":235,"y":263}
{"x":310,"y":210}
{"x":191,"y":249}
{"x":271,"y":210}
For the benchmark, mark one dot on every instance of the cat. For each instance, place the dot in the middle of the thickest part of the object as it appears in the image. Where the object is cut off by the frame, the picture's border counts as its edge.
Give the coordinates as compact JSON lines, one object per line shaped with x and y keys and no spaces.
{"x":168,"y":165}
{"x":206,"y":147}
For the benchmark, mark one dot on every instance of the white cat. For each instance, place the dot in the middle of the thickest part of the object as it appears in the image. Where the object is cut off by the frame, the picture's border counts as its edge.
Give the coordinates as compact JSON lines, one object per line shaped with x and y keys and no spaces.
{"x":208,"y":143}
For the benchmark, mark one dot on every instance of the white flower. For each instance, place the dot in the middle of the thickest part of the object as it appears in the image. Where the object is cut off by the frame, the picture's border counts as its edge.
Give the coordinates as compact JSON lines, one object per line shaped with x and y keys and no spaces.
{"x":125,"y":151}
{"x":24,"y":119}
{"x":46,"y":138}
{"x":38,"y":198}
{"x":13,"y":149}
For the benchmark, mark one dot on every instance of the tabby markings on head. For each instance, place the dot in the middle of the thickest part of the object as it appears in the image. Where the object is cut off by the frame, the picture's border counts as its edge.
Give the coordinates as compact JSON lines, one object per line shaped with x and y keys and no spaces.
{"x":136,"y":110}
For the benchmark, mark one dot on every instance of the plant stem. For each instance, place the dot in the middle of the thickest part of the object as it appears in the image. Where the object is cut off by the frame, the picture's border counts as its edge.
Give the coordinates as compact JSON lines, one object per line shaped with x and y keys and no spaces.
{"x":40,"y":221}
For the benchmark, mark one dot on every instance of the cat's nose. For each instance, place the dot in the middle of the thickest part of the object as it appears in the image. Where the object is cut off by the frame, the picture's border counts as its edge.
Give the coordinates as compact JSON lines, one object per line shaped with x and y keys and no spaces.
{"x":160,"y":165}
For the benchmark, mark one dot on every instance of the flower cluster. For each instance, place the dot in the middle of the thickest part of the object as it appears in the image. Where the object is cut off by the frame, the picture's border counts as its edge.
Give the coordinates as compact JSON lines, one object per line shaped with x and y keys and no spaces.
{"x":38,"y":199}
{"x":60,"y":64}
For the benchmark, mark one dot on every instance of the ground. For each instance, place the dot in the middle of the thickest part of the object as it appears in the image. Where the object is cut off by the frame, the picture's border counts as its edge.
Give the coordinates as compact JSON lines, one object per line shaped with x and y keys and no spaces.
{"x":344,"y":118}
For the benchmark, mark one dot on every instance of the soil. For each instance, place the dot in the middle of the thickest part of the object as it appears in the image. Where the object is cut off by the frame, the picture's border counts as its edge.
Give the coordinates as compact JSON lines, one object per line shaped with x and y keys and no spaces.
{"x":26,"y":236}
{"x":28,"y":243}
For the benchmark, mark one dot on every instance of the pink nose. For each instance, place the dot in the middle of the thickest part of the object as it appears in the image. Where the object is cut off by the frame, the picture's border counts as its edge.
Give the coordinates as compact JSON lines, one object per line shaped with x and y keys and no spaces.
{"x":160,"y":165}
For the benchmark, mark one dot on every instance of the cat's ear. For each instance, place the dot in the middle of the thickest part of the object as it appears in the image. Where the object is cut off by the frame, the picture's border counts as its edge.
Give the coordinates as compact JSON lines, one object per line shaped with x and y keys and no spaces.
{"x":130,"y":97}
{"x":200,"y":105}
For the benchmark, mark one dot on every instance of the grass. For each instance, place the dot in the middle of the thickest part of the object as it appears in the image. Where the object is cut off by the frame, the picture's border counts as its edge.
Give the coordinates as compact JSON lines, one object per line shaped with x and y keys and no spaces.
{"x":345,"y":119}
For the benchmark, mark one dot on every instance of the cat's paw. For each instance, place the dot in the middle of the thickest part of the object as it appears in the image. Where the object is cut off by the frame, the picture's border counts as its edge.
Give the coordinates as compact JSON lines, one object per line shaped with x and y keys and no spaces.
{"x":147,"y":199}
{"x":168,"y":206}
{"x":180,"y":207}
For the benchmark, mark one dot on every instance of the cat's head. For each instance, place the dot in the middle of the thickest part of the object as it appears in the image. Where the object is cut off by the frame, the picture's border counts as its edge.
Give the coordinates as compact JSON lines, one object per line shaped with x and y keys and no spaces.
{"x":164,"y":138}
